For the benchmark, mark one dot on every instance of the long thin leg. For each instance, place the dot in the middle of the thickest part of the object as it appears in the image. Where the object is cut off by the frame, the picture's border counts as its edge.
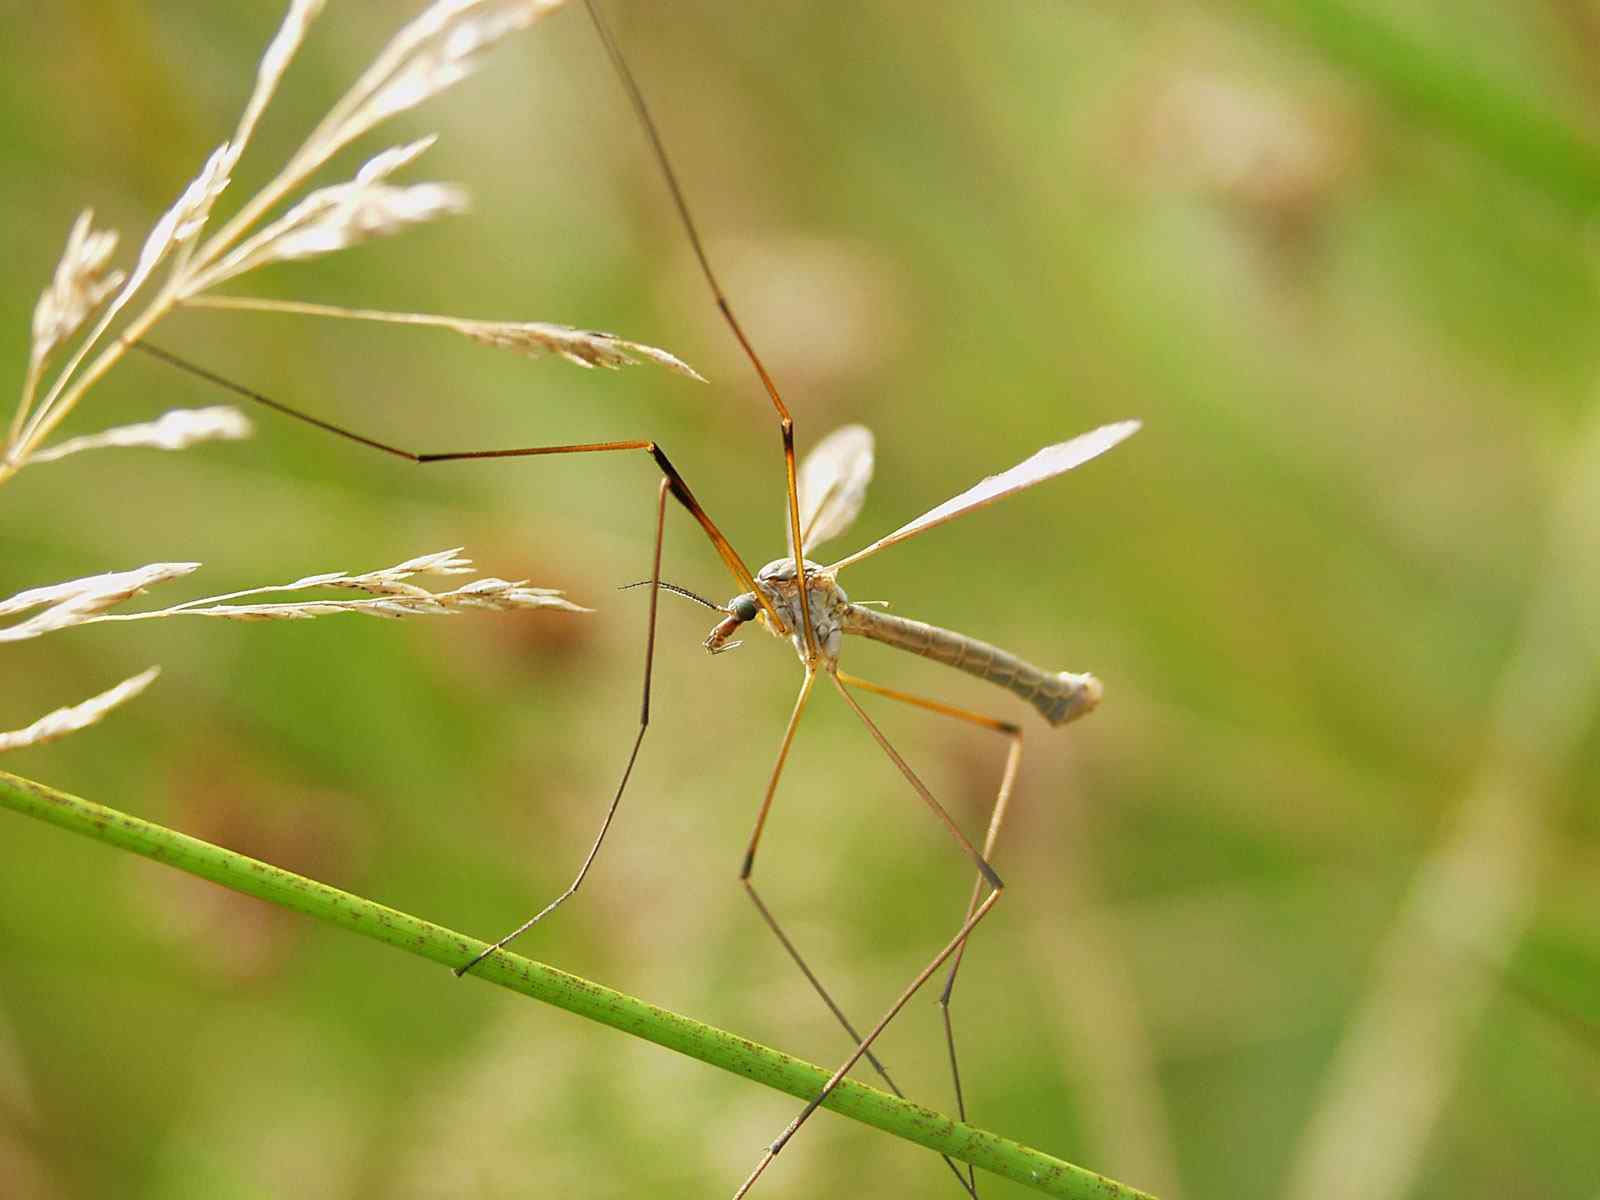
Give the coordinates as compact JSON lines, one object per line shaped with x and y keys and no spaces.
{"x":747,"y":870}
{"x":658,"y":147}
{"x":911,"y":990}
{"x":952,"y":947}
{"x":671,"y":482}
{"x":680,"y":489}
{"x":1008,"y":778}
{"x":633,"y":754}
{"x":921,"y":788}
{"x":777,"y":770}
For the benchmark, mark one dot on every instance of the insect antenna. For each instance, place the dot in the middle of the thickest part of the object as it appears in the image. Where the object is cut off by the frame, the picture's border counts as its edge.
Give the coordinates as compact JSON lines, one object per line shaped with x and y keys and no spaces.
{"x":676,"y":590}
{"x":786,"y":422}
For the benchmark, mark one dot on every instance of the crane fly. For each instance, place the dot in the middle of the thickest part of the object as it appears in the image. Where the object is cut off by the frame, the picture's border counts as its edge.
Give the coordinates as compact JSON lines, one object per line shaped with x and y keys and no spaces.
{"x":800,"y":599}
{"x":814,"y":613}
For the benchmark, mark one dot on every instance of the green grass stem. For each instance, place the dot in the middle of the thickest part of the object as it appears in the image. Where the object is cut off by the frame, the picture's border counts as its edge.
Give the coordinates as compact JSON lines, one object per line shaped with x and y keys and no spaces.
{"x":798,"y":1078}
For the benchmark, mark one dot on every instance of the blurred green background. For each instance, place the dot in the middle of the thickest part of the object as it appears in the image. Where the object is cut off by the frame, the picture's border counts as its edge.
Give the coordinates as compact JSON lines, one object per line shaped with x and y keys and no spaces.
{"x":1307,"y":910}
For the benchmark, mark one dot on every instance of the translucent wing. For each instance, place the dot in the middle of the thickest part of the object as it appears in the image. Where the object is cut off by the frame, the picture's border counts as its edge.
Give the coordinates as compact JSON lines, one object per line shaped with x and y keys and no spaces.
{"x":1046,"y":464}
{"x":832,"y":484}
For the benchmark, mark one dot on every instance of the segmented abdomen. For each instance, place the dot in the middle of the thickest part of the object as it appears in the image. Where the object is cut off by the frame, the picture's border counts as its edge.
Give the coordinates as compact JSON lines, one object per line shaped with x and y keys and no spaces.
{"x":1059,"y":696}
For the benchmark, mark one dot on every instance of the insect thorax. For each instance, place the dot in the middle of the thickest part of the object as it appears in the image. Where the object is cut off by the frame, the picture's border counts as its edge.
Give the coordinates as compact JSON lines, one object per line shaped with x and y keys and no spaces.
{"x":827,"y":600}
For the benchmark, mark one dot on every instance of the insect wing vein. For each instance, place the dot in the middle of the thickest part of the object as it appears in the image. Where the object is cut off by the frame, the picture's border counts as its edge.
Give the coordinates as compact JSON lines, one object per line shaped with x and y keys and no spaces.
{"x":1045,"y":464}
{"x":833,"y":484}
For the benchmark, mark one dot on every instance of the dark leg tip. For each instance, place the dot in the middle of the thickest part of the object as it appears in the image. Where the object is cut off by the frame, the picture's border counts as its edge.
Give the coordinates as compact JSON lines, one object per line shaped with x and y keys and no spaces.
{"x":462,"y":970}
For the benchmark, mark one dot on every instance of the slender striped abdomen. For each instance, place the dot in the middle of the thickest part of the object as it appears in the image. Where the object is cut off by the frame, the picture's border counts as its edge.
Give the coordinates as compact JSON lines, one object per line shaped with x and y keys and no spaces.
{"x":1058,"y":695}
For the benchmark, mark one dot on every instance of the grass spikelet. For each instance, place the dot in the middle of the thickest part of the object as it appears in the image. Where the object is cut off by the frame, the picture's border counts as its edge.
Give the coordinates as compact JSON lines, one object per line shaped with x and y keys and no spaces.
{"x":531,"y":339}
{"x":78,"y":601}
{"x":273,"y":64}
{"x":387,"y":592}
{"x":338,"y":217}
{"x":175,"y":430}
{"x":80,"y":286}
{"x":439,"y":49}
{"x":67,"y":720}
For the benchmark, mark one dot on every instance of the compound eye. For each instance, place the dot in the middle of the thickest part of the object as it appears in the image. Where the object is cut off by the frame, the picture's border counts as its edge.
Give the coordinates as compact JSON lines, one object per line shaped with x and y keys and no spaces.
{"x":745,"y":608}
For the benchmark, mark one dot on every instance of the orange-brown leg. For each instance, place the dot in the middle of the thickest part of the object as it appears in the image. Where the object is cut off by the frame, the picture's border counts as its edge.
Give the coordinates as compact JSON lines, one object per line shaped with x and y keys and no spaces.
{"x":633,"y":754}
{"x":953,"y":947}
{"x":746,"y":873}
{"x":866,"y":1043}
{"x":997,"y":816}
{"x":671,"y":484}
{"x":785,"y":422}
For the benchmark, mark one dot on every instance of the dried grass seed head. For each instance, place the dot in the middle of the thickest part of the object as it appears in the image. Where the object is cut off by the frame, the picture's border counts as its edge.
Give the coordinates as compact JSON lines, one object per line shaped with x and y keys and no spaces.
{"x":80,"y":286}
{"x":78,"y":600}
{"x":444,"y":45}
{"x":340,"y":216}
{"x":175,"y":430}
{"x":78,"y":716}
{"x":586,"y":348}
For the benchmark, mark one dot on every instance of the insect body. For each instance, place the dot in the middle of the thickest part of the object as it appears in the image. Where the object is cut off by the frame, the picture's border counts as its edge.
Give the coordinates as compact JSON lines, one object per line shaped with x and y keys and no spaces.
{"x":779,"y":582}
{"x":840,"y":467}
{"x":1058,"y":696}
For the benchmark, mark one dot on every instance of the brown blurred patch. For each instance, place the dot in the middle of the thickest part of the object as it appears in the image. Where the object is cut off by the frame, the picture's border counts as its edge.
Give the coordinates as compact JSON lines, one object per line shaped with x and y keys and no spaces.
{"x":825,"y":312}
{"x":512,"y":647}
{"x":1195,"y":119}
{"x":23,"y":1169}
{"x":222,"y":799}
